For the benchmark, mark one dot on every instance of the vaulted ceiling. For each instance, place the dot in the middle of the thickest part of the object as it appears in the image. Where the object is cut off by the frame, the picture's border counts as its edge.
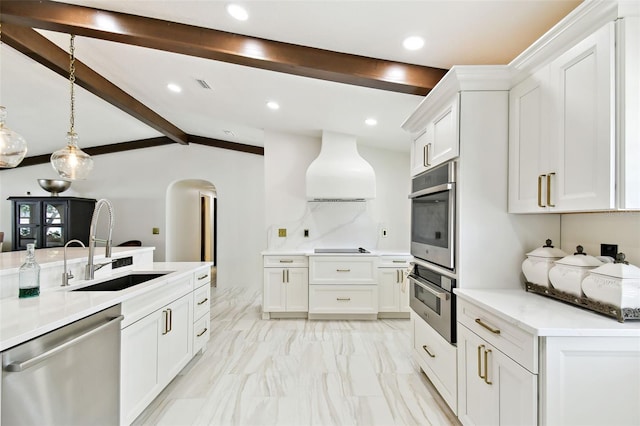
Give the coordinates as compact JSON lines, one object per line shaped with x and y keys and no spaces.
{"x":329,"y":64}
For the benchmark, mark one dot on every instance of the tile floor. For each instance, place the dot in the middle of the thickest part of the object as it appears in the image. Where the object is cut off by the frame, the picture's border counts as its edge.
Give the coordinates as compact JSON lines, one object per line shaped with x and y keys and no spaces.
{"x":298,"y":372}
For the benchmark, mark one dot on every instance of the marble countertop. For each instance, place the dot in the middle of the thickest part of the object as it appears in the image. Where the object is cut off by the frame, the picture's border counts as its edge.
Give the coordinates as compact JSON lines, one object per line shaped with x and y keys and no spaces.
{"x":544,"y":317}
{"x":24,"y":319}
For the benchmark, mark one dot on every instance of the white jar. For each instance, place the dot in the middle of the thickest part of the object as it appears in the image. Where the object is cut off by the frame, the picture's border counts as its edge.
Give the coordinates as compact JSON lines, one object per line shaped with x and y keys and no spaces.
{"x":538,"y":263}
{"x":568,"y":272}
{"x":617,"y":284}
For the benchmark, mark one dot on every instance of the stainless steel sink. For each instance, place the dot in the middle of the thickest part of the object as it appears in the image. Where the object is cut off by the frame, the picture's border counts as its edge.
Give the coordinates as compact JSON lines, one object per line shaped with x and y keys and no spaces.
{"x":120,"y":283}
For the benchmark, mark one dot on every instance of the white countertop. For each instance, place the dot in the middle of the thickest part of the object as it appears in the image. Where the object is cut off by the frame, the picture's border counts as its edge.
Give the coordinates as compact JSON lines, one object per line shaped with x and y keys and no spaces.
{"x":543,"y":316}
{"x":310,"y":252}
{"x":24,"y":319}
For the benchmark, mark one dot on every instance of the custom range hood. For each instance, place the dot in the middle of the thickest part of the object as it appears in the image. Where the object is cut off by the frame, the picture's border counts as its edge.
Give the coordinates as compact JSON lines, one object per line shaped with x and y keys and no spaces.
{"x":339,"y":173}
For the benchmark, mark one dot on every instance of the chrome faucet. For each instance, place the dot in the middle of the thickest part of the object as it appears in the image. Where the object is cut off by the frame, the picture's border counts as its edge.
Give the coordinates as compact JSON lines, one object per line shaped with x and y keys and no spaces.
{"x":66,"y":276}
{"x":91,"y":268}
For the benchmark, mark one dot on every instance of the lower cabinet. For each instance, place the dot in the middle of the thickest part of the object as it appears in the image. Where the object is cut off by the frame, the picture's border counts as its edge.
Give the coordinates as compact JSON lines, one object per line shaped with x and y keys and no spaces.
{"x":493,"y":388}
{"x":286,"y":284}
{"x":343,"y":299}
{"x":201,"y":309}
{"x":393,"y":288}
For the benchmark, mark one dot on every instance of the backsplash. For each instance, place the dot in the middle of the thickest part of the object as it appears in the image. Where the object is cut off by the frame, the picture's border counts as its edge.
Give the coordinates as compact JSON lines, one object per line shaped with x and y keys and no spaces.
{"x":592,"y":229}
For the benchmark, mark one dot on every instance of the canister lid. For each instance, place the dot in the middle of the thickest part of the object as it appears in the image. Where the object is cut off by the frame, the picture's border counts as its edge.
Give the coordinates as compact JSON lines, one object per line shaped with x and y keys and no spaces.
{"x":580,"y":258}
{"x":547,"y":251}
{"x":618,"y":269}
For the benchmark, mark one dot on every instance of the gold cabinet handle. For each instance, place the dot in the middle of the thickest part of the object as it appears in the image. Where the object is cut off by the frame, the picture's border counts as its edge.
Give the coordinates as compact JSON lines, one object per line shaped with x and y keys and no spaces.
{"x":549,"y":189}
{"x":202,"y":277}
{"x":427,"y":351}
{"x":283,"y":276}
{"x":203,"y":301}
{"x":399,"y":261}
{"x":480,"y":348}
{"x":165,"y":321}
{"x":540,"y":177}
{"x":343,"y":270}
{"x":486,"y":367}
{"x":345,"y":299}
{"x":425,"y":161}
{"x":202,"y":332}
{"x":170,"y":319}
{"x":488,"y":327}
{"x":287,"y":275}
{"x":286,"y":260}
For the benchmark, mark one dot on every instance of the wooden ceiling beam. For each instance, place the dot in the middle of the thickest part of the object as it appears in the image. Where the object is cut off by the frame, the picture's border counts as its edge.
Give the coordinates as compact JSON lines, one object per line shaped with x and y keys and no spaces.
{"x":40,"y":49}
{"x":223,"y":46}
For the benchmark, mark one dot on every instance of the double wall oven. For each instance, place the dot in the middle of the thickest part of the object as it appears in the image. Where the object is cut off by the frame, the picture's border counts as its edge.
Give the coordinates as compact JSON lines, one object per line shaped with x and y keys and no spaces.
{"x":433,"y":227}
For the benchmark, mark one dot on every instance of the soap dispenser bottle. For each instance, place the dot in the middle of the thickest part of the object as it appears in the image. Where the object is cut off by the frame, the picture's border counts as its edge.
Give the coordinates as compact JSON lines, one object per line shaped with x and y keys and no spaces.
{"x":29,"y":274}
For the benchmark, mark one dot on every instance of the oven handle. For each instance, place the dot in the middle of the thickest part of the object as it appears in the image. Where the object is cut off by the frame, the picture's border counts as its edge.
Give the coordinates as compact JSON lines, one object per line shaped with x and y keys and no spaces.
{"x":432,"y":190}
{"x":443,"y":295}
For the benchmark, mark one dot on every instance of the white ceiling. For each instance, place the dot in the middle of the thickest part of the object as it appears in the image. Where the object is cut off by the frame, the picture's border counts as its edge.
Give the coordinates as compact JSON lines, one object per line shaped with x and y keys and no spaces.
{"x":456,"y":32}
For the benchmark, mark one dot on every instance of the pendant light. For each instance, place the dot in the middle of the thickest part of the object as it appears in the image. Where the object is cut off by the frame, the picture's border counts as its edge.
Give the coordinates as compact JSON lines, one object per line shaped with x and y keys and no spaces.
{"x":71,"y":162}
{"x":13,"y":147}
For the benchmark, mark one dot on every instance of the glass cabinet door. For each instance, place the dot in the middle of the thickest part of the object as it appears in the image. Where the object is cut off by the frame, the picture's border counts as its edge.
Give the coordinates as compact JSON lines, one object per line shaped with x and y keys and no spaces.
{"x":28,"y":214}
{"x":54,"y":221}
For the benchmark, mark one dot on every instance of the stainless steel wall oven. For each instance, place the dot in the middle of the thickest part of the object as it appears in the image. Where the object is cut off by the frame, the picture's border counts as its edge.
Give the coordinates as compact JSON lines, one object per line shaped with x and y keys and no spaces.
{"x":433,"y":300}
{"x":433,"y":213}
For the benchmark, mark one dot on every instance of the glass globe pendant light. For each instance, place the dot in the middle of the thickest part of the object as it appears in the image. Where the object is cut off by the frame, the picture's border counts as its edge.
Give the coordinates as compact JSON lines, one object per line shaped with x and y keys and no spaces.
{"x":71,"y":162}
{"x":13,"y":147}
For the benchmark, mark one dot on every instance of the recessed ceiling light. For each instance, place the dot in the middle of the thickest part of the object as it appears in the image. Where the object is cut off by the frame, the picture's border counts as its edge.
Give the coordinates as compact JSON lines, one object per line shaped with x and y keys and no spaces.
{"x":237,"y":11}
{"x":273,"y":105}
{"x":174,"y":87}
{"x":413,"y":43}
{"x":371,"y":121}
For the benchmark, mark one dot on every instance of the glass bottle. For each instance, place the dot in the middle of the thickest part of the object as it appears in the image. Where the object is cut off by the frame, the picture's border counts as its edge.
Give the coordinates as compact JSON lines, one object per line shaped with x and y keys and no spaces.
{"x":29,"y":274}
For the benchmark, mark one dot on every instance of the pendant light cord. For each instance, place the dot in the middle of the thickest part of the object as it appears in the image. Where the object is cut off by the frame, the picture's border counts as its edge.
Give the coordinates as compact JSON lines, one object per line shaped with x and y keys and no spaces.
{"x":72,"y":79}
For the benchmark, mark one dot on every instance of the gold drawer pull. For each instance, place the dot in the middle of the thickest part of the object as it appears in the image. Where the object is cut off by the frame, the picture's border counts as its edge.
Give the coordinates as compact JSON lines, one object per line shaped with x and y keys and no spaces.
{"x":286,"y":260}
{"x":343,"y":270}
{"x":488,"y":327}
{"x":202,"y":332}
{"x":202,"y":277}
{"x":549,"y":189}
{"x":540,"y":178}
{"x":399,"y":261}
{"x":480,"y":348}
{"x":486,"y":367}
{"x":203,"y":301}
{"x":427,"y":351}
{"x":344,"y":299}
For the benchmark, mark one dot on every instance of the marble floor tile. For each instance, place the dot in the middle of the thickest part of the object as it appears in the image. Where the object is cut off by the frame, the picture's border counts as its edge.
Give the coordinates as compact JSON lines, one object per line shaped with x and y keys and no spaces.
{"x":298,"y":372}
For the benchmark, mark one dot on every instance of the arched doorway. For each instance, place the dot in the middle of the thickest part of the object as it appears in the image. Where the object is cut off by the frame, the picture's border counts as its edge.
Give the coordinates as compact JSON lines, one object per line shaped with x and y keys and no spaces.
{"x":191,"y":222}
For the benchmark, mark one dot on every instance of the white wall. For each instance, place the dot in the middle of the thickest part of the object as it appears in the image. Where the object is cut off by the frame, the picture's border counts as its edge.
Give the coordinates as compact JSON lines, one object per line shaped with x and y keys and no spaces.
{"x":339,"y":224}
{"x":136,"y":183}
{"x":592,"y":229}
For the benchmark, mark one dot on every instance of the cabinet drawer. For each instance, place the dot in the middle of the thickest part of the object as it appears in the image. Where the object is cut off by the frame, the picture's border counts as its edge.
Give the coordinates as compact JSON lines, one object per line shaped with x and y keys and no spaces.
{"x":285,"y":261}
{"x":343,"y":270}
{"x":394,"y":261}
{"x":515,"y":342}
{"x":202,"y":276}
{"x":201,"y":331}
{"x":201,"y":301}
{"x":343,"y":299}
{"x":437,"y":359}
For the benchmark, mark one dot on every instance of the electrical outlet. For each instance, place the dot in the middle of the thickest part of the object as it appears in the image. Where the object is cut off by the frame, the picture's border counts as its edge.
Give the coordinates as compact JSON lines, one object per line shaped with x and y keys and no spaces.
{"x":306,"y":233}
{"x":384,"y":233}
{"x":282,"y":232}
{"x":609,"y":250}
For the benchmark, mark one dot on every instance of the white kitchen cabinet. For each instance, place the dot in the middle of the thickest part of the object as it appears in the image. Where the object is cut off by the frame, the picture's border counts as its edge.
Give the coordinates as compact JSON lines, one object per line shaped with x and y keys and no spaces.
{"x":393,"y":288}
{"x":438,"y":141}
{"x":590,"y":380}
{"x":286,"y":285}
{"x":201,"y":309}
{"x":437,"y":358}
{"x":563,"y":140}
{"x":153,"y":350}
{"x":343,"y":299}
{"x":493,"y":388}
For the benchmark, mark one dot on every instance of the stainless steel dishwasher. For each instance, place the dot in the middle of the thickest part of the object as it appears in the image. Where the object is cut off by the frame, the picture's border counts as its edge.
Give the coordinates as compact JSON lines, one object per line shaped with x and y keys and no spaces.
{"x":70,"y":376}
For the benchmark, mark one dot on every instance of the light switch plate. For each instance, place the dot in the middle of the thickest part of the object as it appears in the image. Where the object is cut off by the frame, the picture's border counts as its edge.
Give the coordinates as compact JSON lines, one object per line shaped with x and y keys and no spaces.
{"x":282,"y":232}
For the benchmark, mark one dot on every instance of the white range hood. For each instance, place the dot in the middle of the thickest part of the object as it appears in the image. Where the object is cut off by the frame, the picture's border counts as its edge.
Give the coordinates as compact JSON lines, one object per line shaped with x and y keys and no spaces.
{"x":340,"y":173}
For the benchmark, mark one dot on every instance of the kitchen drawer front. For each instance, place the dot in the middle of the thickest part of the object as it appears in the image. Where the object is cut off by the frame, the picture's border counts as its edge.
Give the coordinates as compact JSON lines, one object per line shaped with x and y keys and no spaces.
{"x":437,"y":358}
{"x":201,"y":330}
{"x":516,"y":343}
{"x":202,"y":276}
{"x":201,"y":301}
{"x":389,"y":261}
{"x":343,"y":270}
{"x":286,"y":261}
{"x":343,"y":299}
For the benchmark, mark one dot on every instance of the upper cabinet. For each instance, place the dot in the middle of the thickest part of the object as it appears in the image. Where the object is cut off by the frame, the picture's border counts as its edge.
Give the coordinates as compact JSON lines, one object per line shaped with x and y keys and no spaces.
{"x":437,"y":140}
{"x":569,"y":140}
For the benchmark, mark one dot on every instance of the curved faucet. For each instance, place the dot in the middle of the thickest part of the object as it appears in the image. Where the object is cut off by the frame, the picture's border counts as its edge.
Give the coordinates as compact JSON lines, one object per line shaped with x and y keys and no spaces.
{"x":66,"y":276}
{"x":91,"y":268}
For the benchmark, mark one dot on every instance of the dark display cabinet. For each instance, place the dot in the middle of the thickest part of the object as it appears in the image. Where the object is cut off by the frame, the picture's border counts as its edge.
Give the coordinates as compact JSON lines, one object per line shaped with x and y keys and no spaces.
{"x":50,"y":221}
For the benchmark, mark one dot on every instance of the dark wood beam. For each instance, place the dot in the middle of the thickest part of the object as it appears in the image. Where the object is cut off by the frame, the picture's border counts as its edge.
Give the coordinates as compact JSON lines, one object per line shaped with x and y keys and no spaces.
{"x":223,"y":46}
{"x":147,"y":143}
{"x":37,"y":47}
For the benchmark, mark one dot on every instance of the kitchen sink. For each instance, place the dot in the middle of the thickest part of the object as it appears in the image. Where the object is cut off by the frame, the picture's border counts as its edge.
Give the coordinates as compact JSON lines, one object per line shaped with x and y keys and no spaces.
{"x":121,"y":283}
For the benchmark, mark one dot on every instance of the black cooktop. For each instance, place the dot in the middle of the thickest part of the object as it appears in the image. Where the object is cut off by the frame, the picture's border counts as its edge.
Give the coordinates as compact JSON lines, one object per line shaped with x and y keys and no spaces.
{"x":342,"y":250}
